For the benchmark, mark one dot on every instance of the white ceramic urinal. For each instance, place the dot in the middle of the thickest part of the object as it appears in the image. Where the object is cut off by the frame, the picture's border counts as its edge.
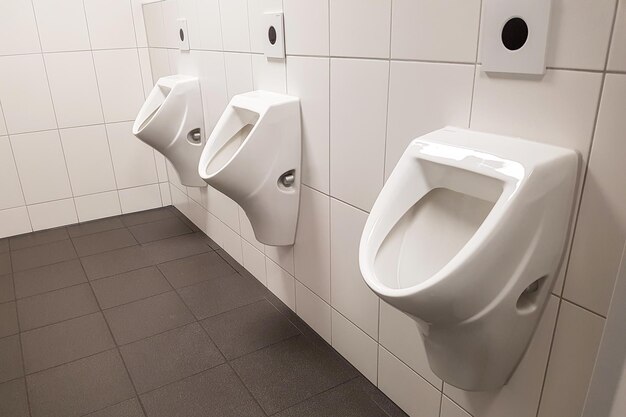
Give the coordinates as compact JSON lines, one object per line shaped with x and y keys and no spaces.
{"x":467,"y":237}
{"x":253,"y":156}
{"x":170,"y":121}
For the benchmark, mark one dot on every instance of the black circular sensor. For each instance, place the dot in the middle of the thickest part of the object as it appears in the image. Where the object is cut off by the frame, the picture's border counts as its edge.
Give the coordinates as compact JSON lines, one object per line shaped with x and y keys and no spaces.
{"x":181,"y":34}
{"x":271,"y":34}
{"x":514,"y":34}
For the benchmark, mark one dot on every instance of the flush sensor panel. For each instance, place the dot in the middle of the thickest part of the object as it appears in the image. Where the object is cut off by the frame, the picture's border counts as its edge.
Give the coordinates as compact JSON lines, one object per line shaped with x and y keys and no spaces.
{"x":274,"y":44}
{"x":515,"y":35}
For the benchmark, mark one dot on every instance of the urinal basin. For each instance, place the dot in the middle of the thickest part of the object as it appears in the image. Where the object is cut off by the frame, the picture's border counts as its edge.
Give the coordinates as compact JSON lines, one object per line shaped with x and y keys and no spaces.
{"x":467,"y":237}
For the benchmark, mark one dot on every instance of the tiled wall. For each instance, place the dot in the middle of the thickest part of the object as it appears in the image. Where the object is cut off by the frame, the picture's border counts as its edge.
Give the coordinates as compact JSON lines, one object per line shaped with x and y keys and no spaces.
{"x":71,"y":84}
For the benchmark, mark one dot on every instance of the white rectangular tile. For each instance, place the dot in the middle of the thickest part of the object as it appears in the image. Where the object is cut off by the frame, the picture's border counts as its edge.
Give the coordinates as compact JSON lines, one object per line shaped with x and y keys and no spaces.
{"x":235,"y":28}
{"x":573,"y":356}
{"x":11,"y":195}
{"x":247,"y":233}
{"x":18,"y":29}
{"x":102,"y":16}
{"x":119,"y":80}
{"x":170,"y":17}
{"x":203,"y":23}
{"x":349,"y":293}
{"x":256,"y":20}
{"x":136,"y":7}
{"x":195,"y":212}
{"x":254,"y":261}
{"x":238,"y":73}
{"x":444,"y":30}
{"x":406,"y":388}
{"x":140,"y":198}
{"x":14,"y":221}
{"x":179,"y":199}
{"x":223,"y":208}
{"x":314,"y":311}
{"x":62,"y":25}
{"x":97,"y":206}
{"x":52,"y":214}
{"x":146,"y":70}
{"x":309,"y":80}
{"x":281,"y":283}
{"x":230,"y":241}
{"x":451,"y":409}
{"x":174,"y":178}
{"x":154,"y":25}
{"x":25,"y":94}
{"x":74,"y":88}
{"x":283,"y":256}
{"x":312,"y":247}
{"x":166,"y":197}
{"x":3,"y":126}
{"x":159,"y":64}
{"x":88,"y":159}
{"x":41,"y":166}
{"x":269,"y":74}
{"x":355,"y":345}
{"x":133,"y":160}
{"x":360,"y":29}
{"x":358,"y":116}
{"x":307,"y":27}
{"x":160,"y":166}
{"x":617,"y":57}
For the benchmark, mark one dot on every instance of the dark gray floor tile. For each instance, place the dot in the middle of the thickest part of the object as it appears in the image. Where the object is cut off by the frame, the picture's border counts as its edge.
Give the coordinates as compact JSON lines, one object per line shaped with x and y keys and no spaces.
{"x":48,"y":278}
{"x":147,"y":216}
{"x":55,"y":306}
{"x":13,"y":402}
{"x":356,"y":398}
{"x":184,"y":218}
{"x":249,"y":328}
{"x":213,"y":393}
{"x":66,"y":341}
{"x":6,"y":288}
{"x":194,"y":269}
{"x":4,"y":245}
{"x":95,"y":226}
{"x":128,"y":408}
{"x":38,"y":238}
{"x":5,"y":263}
{"x":130,"y":286}
{"x":143,"y":318}
{"x":170,"y":356}
{"x":8,"y":319}
{"x":41,"y":255}
{"x":176,"y":247}
{"x":160,"y":229}
{"x":219,"y":295}
{"x":11,"y":354}
{"x":289,"y":372}
{"x":103,"y":242}
{"x":79,"y":387}
{"x":116,"y":262}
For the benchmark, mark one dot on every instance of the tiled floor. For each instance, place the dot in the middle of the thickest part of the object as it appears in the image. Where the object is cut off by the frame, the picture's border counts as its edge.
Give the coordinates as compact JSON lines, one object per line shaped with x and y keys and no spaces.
{"x":143,"y":315}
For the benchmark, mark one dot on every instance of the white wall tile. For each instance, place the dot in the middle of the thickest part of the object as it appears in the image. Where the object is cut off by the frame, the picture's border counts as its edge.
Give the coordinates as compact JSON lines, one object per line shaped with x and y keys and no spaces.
{"x":617,"y":57}
{"x":166,"y":197}
{"x":399,"y":335}
{"x":574,"y":350}
{"x":309,"y":80}
{"x":269,"y":74}
{"x":579,"y":33}
{"x":97,"y":206}
{"x":366,"y":36}
{"x":14,"y":221}
{"x":235,"y":28}
{"x":314,"y":311}
{"x":520,"y":396}
{"x":283,"y":256}
{"x":159,"y":64}
{"x":88,"y":159}
{"x":247,"y":232}
{"x":119,"y":80}
{"x":11,"y":195}
{"x":254,"y":261}
{"x":74,"y":93}
{"x":62,"y":25}
{"x":450,"y":409}
{"x":41,"y":166}
{"x":406,"y":388}
{"x":133,"y":160}
{"x":18,"y":29}
{"x":312,"y":247}
{"x":307,"y":27}
{"x":3,"y":126}
{"x":355,"y":345}
{"x":281,"y":283}
{"x":238,"y":73}
{"x":154,"y":24}
{"x":170,"y":17}
{"x":224,"y":208}
{"x":179,"y":199}
{"x":601,"y":227}
{"x":424,"y":97}
{"x":445,"y":30}
{"x":146,"y":70}
{"x":102,"y":16}
{"x":25,"y":95}
{"x":203,"y":23}
{"x":230,"y":241}
{"x":161,"y":166}
{"x":174,"y":178}
{"x":350,"y":295}
{"x":140,"y":198}
{"x":358,"y":115}
{"x":256,"y":19}
{"x":52,"y":214}
{"x":136,"y":7}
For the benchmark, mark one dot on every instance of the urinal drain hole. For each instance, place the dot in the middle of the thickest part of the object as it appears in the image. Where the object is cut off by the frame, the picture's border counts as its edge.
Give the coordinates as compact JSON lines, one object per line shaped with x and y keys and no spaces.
{"x":288,"y":179}
{"x":527,"y":301}
{"x":195,"y":136}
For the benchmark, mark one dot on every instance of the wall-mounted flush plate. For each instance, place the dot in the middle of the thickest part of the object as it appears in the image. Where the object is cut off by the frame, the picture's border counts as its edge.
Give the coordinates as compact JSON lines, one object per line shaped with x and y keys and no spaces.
{"x":183,"y":34}
{"x":274,"y":33}
{"x":515,"y":35}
